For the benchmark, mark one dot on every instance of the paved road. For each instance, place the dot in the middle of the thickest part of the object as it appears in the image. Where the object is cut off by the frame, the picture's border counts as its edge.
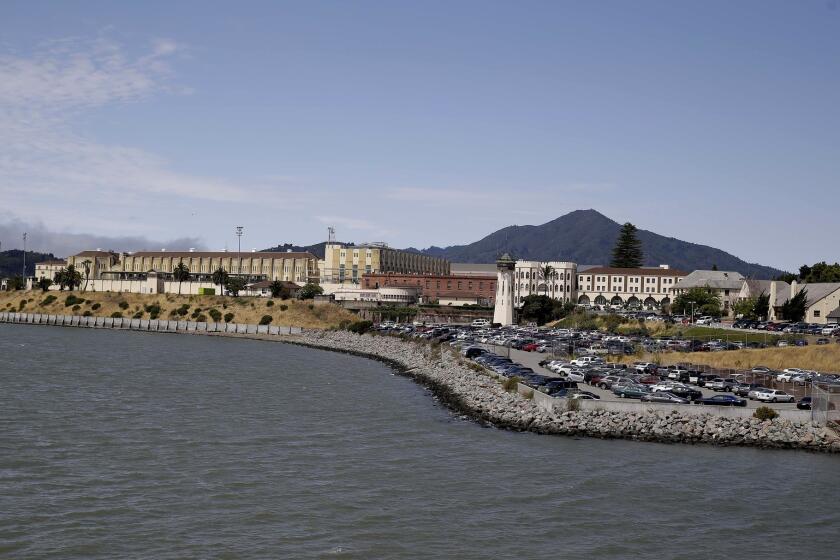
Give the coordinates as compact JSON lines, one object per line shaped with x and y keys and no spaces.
{"x":532,"y":359}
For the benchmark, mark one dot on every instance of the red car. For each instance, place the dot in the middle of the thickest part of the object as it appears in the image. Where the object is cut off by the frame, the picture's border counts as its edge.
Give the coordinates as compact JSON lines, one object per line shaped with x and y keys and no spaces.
{"x":650,"y":380}
{"x":530,"y":347}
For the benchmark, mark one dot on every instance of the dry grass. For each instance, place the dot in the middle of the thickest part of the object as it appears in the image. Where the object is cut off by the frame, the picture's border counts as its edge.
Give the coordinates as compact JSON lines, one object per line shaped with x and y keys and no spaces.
{"x":821,"y":358}
{"x":244,"y":309}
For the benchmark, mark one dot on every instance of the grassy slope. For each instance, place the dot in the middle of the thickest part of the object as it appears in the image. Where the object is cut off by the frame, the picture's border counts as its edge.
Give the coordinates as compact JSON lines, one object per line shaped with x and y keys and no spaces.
{"x":821,"y":358}
{"x":245,"y":309}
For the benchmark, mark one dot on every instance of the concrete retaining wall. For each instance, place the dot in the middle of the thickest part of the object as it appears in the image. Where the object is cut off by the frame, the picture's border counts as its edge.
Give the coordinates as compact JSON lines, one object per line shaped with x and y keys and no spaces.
{"x":143,"y":324}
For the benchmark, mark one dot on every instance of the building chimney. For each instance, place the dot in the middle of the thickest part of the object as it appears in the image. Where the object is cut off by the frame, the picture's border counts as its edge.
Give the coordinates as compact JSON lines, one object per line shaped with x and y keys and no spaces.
{"x":793,"y":286}
{"x":771,"y":308}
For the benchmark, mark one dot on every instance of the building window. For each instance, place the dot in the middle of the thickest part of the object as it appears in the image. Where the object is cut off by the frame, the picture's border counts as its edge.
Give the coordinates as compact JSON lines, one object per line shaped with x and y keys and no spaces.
{"x":816,"y":313}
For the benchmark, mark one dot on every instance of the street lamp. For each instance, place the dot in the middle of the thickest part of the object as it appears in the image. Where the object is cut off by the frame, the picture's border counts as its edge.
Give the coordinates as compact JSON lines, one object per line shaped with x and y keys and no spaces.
{"x":23,"y":276}
{"x":692,"y":311}
{"x":239,"y":247}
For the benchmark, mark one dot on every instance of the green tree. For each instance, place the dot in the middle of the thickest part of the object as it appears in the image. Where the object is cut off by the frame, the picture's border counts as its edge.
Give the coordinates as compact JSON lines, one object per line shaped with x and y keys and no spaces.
{"x":794,"y":308}
{"x":44,"y":284}
{"x":705,"y":302}
{"x":820,"y":272}
{"x":309,"y":291}
{"x":628,"y":249}
{"x":181,"y":273}
{"x":546,"y":274}
{"x":537,"y":308}
{"x":68,"y":277}
{"x":761,"y":310}
{"x":278,"y":289}
{"x":220,"y":278}
{"x":234,"y":285}
{"x":16,"y":283}
{"x":745,"y":308}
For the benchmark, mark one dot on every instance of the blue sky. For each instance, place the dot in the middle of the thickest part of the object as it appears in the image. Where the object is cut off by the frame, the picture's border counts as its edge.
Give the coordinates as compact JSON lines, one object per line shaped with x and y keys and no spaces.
{"x":420,"y":123}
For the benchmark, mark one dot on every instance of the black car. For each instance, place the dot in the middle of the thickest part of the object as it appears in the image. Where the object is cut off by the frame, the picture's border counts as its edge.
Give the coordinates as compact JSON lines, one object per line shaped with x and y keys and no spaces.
{"x":686,"y":393}
{"x":804,"y":403}
{"x":723,"y":400}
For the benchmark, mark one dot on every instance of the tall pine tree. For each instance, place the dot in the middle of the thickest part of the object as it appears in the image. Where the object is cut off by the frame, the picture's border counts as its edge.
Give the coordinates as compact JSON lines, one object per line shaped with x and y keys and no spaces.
{"x":628,"y":249}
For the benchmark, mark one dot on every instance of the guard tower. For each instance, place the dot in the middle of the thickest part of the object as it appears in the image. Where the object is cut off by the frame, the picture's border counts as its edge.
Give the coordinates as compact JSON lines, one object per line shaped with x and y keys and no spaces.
{"x":503,"y":312}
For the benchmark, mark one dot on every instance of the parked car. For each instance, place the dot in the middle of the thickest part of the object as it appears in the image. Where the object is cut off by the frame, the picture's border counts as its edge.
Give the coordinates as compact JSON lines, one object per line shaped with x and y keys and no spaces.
{"x":722,"y":400}
{"x":719,"y":384}
{"x":630,"y":391}
{"x":774,"y":395}
{"x":610,"y":380}
{"x":804,"y":403}
{"x":663,"y":397}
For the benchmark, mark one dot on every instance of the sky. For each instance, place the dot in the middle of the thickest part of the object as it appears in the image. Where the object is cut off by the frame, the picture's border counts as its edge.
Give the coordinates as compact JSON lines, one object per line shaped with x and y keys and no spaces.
{"x":167,"y":124}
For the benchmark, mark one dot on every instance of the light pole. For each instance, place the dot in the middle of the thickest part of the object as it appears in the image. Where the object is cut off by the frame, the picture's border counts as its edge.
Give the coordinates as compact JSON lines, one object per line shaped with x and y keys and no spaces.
{"x":23,"y":275}
{"x":239,"y":247}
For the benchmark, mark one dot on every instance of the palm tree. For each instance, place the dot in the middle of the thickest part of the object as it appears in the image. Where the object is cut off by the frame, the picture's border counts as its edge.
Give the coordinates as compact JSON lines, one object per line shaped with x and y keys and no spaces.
{"x":220,"y":277}
{"x":60,"y":278}
{"x":72,"y":277}
{"x":181,"y":272}
{"x":86,"y":263}
{"x":546,"y":273}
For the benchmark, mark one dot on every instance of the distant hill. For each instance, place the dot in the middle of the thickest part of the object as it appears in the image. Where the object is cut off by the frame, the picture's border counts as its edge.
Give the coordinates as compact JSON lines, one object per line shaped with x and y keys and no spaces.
{"x":588,"y":237}
{"x":317,"y":249}
{"x":11,"y":262}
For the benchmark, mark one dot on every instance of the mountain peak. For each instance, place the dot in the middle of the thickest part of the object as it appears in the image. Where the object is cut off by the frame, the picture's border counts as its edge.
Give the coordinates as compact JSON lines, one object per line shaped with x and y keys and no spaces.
{"x":588,"y":236}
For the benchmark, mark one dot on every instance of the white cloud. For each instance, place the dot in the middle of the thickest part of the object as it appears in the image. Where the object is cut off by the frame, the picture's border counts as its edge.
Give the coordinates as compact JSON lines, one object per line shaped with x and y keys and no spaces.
{"x":41,"y":97}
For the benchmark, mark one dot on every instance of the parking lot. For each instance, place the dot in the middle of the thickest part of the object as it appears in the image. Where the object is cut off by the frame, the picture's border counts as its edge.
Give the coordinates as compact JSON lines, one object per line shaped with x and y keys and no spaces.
{"x":525,"y":353}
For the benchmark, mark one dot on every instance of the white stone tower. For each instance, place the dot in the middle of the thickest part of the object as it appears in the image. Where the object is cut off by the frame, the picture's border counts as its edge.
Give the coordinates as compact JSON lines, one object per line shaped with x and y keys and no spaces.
{"x":503,"y":312}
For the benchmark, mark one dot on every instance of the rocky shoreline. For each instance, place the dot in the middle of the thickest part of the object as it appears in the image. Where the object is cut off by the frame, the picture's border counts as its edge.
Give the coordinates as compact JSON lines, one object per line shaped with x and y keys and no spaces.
{"x":470,"y":391}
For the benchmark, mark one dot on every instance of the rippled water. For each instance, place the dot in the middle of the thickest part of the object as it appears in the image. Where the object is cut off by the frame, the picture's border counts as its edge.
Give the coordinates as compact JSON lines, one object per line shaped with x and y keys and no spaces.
{"x":132,"y":445}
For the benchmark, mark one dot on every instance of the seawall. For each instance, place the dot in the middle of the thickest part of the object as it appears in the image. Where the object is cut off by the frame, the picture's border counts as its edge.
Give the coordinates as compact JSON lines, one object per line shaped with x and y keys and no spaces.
{"x":471,"y":390}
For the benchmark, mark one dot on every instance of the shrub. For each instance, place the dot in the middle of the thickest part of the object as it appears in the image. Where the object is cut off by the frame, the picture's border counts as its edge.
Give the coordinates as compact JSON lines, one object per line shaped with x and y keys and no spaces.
{"x":228,"y":317}
{"x":96,"y":306}
{"x":116,"y":315}
{"x":216,"y":315}
{"x":510,"y":384}
{"x":765,"y":413}
{"x":311,"y":306}
{"x":201,"y":318}
{"x":72,"y":300}
{"x":266,"y":319}
{"x":341,"y":325}
{"x":269,"y":303}
{"x":283,"y":307}
{"x":183,"y":310}
{"x":138,"y":315}
{"x":48,"y":300}
{"x":360,"y":327}
{"x":123,"y":305}
{"x":22,"y":304}
{"x":87,"y":313}
{"x":76,"y":307}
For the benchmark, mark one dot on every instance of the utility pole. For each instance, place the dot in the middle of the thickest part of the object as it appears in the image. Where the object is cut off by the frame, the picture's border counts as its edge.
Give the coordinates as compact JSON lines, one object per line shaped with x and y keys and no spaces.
{"x":23,"y":276}
{"x":239,"y":247}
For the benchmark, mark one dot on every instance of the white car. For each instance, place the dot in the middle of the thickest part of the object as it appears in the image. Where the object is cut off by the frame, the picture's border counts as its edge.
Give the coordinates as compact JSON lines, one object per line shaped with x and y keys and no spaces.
{"x":587,"y":360}
{"x":829,"y":330}
{"x":705,"y":320}
{"x":481,"y":323}
{"x":774,"y":395}
{"x":575,"y":375}
{"x":788,"y":374}
{"x":663,"y":386}
{"x":676,"y":373}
